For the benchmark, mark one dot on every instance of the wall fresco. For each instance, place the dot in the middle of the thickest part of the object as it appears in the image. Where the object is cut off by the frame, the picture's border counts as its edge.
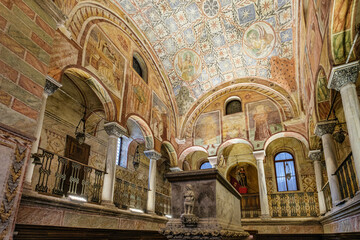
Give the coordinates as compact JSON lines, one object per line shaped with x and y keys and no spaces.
{"x":160,"y":119}
{"x":234,"y":126}
{"x":207,"y":132}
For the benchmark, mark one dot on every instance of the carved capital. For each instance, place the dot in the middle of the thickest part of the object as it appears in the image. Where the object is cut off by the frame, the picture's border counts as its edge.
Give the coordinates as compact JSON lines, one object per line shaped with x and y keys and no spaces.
{"x":114,"y":129}
{"x":323,"y":128}
{"x":259,"y":155}
{"x":152,"y":155}
{"x":315,"y":155}
{"x":51,"y":85}
{"x":343,"y":74}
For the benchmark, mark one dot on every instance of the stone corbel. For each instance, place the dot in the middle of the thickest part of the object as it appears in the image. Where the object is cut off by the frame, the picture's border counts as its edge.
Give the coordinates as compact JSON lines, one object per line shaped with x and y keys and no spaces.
{"x":343,"y":75}
{"x":115,"y":129}
{"x":51,"y":85}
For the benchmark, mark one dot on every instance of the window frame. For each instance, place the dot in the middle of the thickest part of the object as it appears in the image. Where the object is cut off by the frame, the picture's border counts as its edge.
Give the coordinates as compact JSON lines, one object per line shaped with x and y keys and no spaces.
{"x":204,"y":162}
{"x":230,"y":99}
{"x":295,"y":169}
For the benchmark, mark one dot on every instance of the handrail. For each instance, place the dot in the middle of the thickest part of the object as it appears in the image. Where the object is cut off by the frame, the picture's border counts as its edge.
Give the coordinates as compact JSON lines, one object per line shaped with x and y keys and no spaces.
{"x":343,"y":162}
{"x":325,"y":185}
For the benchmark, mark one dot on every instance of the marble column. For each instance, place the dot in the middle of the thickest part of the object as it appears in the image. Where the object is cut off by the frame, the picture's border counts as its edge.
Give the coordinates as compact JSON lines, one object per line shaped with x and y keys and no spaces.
{"x":153,"y":156}
{"x":343,"y":79}
{"x":51,"y":85}
{"x":325,"y":130}
{"x":264,"y":203}
{"x":316,"y":156}
{"x":114,"y":130}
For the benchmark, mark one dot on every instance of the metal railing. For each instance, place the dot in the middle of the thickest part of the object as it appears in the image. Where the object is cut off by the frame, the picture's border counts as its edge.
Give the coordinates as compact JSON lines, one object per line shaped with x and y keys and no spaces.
{"x":61,"y":176}
{"x":130,"y":195}
{"x":327,"y":196}
{"x":347,"y":178}
{"x":162,"y":204}
{"x":302,"y":204}
{"x":250,"y":206}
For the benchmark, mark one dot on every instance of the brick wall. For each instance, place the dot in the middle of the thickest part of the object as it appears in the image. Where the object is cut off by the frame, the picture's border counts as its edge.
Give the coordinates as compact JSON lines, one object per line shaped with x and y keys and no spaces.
{"x":26,"y":37}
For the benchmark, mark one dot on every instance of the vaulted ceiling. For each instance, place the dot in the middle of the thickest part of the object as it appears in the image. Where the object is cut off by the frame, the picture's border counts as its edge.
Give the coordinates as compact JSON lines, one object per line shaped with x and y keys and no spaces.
{"x":203,"y":43}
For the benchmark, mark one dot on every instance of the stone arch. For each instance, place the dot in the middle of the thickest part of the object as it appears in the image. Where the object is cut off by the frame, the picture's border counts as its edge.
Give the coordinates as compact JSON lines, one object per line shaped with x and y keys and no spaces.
{"x":172,"y":153}
{"x":188,"y":151}
{"x":146,"y":133}
{"x":232,"y":142}
{"x":279,"y":135}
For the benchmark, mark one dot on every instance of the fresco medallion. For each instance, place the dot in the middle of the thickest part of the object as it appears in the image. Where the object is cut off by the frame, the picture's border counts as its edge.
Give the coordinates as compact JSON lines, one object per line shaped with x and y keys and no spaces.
{"x":259,"y":40}
{"x":187,"y":65}
{"x":211,"y":8}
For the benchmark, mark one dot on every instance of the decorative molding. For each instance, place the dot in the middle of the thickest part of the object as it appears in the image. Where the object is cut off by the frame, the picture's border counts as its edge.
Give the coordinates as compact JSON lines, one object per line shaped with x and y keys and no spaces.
{"x":175,"y":169}
{"x":259,"y":155}
{"x":323,"y":128}
{"x":343,"y":75}
{"x":51,"y":85}
{"x":315,"y":155}
{"x":115,"y":129}
{"x":152,"y":155}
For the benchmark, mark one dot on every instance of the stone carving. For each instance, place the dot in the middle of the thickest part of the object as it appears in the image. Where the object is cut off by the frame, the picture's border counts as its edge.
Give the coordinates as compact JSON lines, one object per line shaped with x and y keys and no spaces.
{"x":315,"y":155}
{"x":343,"y":74}
{"x":188,"y":218}
{"x":324,"y":128}
{"x":200,"y":233}
{"x":152,"y":154}
{"x":114,"y":129}
{"x":51,"y":85}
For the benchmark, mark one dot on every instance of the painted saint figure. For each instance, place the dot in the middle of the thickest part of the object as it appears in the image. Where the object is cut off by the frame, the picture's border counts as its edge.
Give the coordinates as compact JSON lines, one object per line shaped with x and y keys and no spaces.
{"x":260,"y":117}
{"x":241,"y":177}
{"x":188,"y":65}
{"x":189,"y":200}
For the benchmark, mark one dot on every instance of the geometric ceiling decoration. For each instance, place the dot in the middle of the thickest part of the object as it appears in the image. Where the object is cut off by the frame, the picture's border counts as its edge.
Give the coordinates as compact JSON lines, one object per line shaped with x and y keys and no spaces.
{"x":203,"y":43}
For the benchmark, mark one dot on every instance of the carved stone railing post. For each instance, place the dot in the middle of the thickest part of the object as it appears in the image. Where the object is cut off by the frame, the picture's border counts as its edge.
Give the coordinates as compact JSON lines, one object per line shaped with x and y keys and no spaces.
{"x":153,"y":156}
{"x":325,"y":130}
{"x":114,"y":130}
{"x":264,"y":203}
{"x":51,"y":86}
{"x":343,"y":79}
{"x":316,"y":156}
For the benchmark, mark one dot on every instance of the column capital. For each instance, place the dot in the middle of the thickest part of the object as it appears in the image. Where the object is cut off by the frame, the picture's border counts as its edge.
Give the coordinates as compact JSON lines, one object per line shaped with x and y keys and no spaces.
{"x":175,"y":169}
{"x":51,"y":85}
{"x":343,"y":74}
{"x":323,"y":128}
{"x":315,"y":155}
{"x":259,"y":155}
{"x":115,"y":129}
{"x":213,"y":161}
{"x":152,"y":154}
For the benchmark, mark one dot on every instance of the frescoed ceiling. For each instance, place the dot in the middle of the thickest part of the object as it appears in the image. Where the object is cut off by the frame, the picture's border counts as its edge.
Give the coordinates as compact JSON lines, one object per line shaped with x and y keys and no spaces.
{"x":203,"y":43}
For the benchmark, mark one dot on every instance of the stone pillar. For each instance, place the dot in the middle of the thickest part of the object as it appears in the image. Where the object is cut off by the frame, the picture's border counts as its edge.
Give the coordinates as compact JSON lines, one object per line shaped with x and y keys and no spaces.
{"x":324,"y":130}
{"x":114,"y":130}
{"x":213,"y":161}
{"x":316,"y":157}
{"x":153,"y":156}
{"x":51,"y":85}
{"x":264,"y":203}
{"x":343,"y":79}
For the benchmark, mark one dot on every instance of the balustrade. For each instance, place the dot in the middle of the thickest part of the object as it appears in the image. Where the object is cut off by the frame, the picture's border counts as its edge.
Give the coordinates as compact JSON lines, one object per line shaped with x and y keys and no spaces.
{"x":250,"y":206}
{"x":130,"y":194}
{"x":69,"y":178}
{"x":327,"y":196}
{"x":301,"y":204}
{"x":347,"y":178}
{"x":162,"y":204}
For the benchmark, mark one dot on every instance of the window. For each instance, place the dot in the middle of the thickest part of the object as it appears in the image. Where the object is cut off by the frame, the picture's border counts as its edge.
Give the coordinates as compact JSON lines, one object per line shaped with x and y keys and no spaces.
{"x":205,"y":165}
{"x":233,"y":106}
{"x":121,"y":161}
{"x":139,"y":66}
{"x":285,"y":172}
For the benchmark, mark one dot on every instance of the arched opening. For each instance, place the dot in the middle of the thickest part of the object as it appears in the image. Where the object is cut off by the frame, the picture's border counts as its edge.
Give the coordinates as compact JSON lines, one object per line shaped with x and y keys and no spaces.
{"x":233,"y":105}
{"x":139,"y":65}
{"x":285,"y":173}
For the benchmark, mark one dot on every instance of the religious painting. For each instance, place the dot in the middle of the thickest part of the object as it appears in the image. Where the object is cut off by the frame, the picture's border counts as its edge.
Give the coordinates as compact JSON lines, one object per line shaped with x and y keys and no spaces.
{"x":244,"y":178}
{"x":105,"y":60}
{"x":122,"y":42}
{"x":259,"y":40}
{"x":187,"y":65}
{"x":314,"y":41}
{"x":322,"y":96}
{"x":138,"y":96}
{"x":207,"y":131}
{"x":234,"y":126}
{"x":264,"y":120}
{"x":322,"y":8}
{"x":160,"y":119}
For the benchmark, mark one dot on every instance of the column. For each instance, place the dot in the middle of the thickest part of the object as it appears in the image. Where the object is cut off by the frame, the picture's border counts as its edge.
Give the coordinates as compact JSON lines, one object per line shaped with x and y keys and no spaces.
{"x":264,"y":203}
{"x":343,"y":79}
{"x":153,"y":156}
{"x":51,"y":85}
{"x":316,"y":157}
{"x":325,"y":130}
{"x":114,"y":130}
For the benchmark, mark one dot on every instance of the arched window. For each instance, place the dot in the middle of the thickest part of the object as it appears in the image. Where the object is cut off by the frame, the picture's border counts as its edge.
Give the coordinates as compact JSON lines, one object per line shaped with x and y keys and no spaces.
{"x":205,"y":165}
{"x":120,"y":160}
{"x":285,"y":172}
{"x":233,"y":106}
{"x":139,"y":66}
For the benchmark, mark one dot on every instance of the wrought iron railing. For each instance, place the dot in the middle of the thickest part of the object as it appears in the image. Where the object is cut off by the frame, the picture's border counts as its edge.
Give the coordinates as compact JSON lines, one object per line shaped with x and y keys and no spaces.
{"x":250,"y":206}
{"x":130,"y":194}
{"x":327,"y":196}
{"x":162,"y":204}
{"x":347,"y":178}
{"x":301,"y":204}
{"x":61,"y":176}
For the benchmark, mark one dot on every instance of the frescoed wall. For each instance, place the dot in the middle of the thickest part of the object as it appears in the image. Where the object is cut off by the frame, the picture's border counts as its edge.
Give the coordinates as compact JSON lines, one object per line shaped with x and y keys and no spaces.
{"x":234,"y":126}
{"x":160,"y":119}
